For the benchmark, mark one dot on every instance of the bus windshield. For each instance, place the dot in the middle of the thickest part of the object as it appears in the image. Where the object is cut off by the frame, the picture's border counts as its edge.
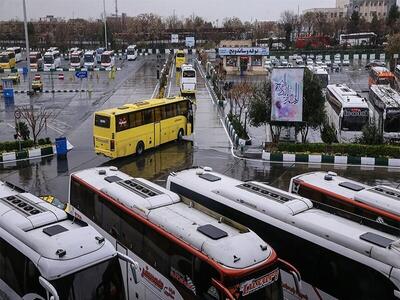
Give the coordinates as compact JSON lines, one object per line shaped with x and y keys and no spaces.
{"x":48,"y":59}
{"x":75,"y":59}
{"x":259,"y":287}
{"x":392,"y":121}
{"x":89,"y":58}
{"x":4,"y":58}
{"x":385,"y":80}
{"x":189,"y":73}
{"x":354,"y":119}
{"x":105,"y":58}
{"x":33,"y":59}
{"x":130,"y":52}
{"x":180,"y":55}
{"x":100,"y":282}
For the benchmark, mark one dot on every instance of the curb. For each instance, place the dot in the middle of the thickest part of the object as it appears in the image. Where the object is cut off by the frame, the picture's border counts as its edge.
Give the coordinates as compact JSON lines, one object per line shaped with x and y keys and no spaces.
{"x":330,"y":159}
{"x":27,"y":154}
{"x":54,"y":91}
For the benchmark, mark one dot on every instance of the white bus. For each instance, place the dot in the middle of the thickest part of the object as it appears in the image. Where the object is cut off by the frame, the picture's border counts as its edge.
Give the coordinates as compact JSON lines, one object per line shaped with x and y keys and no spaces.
{"x":358,"y":39}
{"x":107,"y":59}
{"x":52,"y":60}
{"x":386,"y":102}
{"x":337,"y":257}
{"x":89,"y":59}
{"x":131,"y":52}
{"x":184,"y":250}
{"x":379,"y":205}
{"x":347,"y":111}
{"x":99,"y":52}
{"x":47,"y":254}
{"x":321,"y":74}
{"x":17,"y":51}
{"x":188,"y":80}
{"x":70,"y":51}
{"x":76,"y":59}
{"x":36,"y":60}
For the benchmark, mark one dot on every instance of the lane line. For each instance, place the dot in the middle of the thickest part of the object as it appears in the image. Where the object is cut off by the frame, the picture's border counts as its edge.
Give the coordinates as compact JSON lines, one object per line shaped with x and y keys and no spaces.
{"x":55,"y":129}
{"x":9,"y":125}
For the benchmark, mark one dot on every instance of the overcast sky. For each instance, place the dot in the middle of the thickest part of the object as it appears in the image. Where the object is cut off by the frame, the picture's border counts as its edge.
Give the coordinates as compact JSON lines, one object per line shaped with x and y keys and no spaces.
{"x":209,"y":9}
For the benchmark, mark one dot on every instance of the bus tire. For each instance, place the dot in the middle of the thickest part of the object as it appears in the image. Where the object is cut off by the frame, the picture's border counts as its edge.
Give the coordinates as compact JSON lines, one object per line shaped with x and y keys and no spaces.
{"x":139,"y":148}
{"x":180,"y":135}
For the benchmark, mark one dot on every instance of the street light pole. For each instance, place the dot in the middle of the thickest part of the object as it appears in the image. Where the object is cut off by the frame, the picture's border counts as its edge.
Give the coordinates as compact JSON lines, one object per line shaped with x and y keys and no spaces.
{"x":28,"y":60}
{"x":105,"y":23}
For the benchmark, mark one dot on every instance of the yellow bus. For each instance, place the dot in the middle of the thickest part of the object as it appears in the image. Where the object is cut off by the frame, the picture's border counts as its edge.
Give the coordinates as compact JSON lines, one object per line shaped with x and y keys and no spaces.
{"x":7,"y":60}
{"x":132,"y":128}
{"x":179,"y":59}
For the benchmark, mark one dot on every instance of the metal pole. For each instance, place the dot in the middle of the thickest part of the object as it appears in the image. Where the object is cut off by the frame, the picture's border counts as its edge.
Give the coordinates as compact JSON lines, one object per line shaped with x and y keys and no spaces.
{"x":105,"y":23}
{"x":27,"y":50}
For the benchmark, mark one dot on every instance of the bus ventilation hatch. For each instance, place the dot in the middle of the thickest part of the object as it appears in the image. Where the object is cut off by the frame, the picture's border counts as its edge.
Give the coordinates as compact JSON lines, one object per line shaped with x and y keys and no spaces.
{"x":112,"y":179}
{"x":386,"y":191}
{"x":265,"y":192}
{"x":351,"y":186}
{"x":22,"y":205}
{"x":53,"y":230}
{"x":140,"y":188}
{"x":376,"y":239}
{"x":212,"y":232}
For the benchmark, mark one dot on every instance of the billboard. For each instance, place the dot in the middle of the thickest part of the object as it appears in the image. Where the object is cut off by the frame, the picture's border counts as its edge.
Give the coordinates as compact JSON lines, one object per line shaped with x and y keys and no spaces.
{"x":189,"y":41}
{"x":174,"y":38}
{"x":287,"y":94}
{"x":243,"y":51}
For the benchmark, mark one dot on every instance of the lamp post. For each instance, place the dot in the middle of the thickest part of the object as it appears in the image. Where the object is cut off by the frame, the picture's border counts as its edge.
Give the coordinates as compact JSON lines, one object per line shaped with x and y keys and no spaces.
{"x":105,"y":23}
{"x":28,"y":60}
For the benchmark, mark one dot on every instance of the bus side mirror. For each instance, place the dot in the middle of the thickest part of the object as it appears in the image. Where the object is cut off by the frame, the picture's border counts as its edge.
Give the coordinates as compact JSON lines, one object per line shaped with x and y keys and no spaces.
{"x":50,"y":289}
{"x":134,"y":266}
{"x":396,"y":294}
{"x":294,"y":272}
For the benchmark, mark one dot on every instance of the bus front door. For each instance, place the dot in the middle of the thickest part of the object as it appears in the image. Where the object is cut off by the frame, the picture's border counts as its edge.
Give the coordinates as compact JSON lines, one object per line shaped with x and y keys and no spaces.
{"x":157,"y":134}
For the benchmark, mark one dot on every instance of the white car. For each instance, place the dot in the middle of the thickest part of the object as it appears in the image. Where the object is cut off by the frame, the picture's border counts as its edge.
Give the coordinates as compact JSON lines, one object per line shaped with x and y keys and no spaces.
{"x":328,"y":62}
{"x":299,"y":61}
{"x":309,"y":62}
{"x":318,"y":63}
{"x":346,"y":62}
{"x":338,"y":62}
{"x":284,"y":63}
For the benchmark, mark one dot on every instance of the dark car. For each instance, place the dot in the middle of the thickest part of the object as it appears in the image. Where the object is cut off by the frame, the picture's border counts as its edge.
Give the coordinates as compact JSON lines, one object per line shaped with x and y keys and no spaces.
{"x":375,"y":63}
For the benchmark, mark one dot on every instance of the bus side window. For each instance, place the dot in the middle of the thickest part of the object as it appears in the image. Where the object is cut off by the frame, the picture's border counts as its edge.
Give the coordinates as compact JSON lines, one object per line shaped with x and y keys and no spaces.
{"x":170,"y":110}
{"x":148,"y":116}
{"x":132,"y":119}
{"x":204,"y":286}
{"x":122,"y":122}
{"x":82,"y":199}
{"x":131,"y":233}
{"x":181,"y":268}
{"x":182,"y":108}
{"x":157,"y":114}
{"x":138,"y":118}
{"x":155,"y":250}
{"x":111,"y":220}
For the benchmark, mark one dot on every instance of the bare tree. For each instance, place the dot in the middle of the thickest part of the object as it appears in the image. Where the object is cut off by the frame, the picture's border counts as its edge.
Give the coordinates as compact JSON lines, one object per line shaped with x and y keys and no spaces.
{"x":288,"y":22}
{"x":35,"y":118}
{"x":241,"y":94}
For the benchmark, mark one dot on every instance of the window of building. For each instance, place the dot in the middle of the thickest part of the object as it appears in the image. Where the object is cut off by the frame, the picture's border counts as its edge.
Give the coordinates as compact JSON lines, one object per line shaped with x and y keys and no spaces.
{"x":231,"y":61}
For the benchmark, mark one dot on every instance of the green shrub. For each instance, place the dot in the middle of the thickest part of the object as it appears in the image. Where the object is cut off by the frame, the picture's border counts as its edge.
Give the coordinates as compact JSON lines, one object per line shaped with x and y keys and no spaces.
{"x":10,"y":146}
{"x":238,"y":126}
{"x":328,"y":133}
{"x":357,"y":150}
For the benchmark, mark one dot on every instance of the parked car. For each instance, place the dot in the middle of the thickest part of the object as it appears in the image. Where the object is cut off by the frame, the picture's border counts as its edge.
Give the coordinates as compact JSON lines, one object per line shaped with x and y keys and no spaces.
{"x":335,"y":67}
{"x":375,"y":63}
{"x":346,"y":62}
{"x":284,"y":62}
{"x":309,"y":62}
{"x":15,"y":77}
{"x":37,"y":85}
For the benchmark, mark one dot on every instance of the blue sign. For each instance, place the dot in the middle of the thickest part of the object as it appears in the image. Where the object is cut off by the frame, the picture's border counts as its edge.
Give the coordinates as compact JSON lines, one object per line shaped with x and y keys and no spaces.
{"x":81,"y":74}
{"x":245,"y":51}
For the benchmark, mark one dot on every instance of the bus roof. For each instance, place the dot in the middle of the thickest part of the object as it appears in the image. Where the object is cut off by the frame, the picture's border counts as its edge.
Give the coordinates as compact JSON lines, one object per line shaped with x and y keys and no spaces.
{"x":139,"y":106}
{"x":388,"y":96}
{"x":381,"y":71}
{"x":184,"y":220}
{"x":346,"y":96}
{"x":90,"y":52}
{"x":187,"y":67}
{"x":131,"y":46}
{"x":55,"y":242}
{"x":283,"y":210}
{"x":381,"y":197}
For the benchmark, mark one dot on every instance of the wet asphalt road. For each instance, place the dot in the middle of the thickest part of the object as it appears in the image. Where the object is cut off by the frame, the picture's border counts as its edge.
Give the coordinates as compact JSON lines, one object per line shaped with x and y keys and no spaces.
{"x":135,"y":82}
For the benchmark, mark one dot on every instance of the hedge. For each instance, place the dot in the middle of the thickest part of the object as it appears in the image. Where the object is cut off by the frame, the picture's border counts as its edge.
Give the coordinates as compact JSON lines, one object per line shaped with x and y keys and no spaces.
{"x":14,"y":145}
{"x":356,"y":150}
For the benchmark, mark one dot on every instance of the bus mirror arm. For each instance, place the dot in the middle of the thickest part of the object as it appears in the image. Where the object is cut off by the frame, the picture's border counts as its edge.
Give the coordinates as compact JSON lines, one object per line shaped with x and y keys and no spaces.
{"x":49,"y":288}
{"x":294,"y":272}
{"x":134,"y":266}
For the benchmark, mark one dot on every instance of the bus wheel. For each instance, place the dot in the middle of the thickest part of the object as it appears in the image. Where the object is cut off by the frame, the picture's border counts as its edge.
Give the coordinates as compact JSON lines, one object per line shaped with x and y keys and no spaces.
{"x":139,"y":148}
{"x":180,"y":135}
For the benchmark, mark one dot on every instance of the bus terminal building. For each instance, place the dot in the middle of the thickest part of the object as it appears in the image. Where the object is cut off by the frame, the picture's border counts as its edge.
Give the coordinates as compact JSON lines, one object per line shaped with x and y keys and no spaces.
{"x":239,"y":57}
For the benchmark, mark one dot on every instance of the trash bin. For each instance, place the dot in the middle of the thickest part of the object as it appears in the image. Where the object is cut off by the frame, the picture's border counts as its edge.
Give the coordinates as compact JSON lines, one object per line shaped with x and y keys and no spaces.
{"x":61,"y":146}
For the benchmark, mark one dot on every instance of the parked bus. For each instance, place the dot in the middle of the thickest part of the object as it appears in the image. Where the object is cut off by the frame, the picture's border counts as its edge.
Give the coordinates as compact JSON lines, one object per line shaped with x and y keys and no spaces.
{"x":397,"y":72}
{"x":89,"y":59}
{"x":7,"y":60}
{"x":312,"y":42}
{"x":132,"y":128}
{"x":46,"y":253}
{"x":379,"y":205}
{"x":36,"y":60}
{"x":380,"y":75}
{"x":107,"y":59}
{"x":76,"y":59}
{"x":17,"y":52}
{"x":386,"y":102}
{"x":184,"y":250}
{"x":99,"y":52}
{"x":347,"y":111}
{"x":52,"y":60}
{"x":358,"y":39}
{"x":321,"y":74}
{"x":179,"y":59}
{"x":70,"y":51}
{"x":336,"y":257}
{"x":131,"y":52}
{"x":188,"y":80}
